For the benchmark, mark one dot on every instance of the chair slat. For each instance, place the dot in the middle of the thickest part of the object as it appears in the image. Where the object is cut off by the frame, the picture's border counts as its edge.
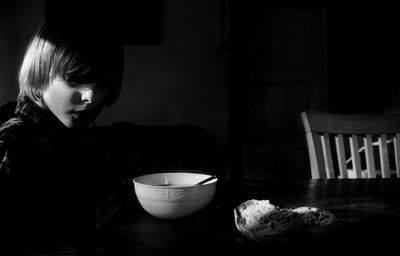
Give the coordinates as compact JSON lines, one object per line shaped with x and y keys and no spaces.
{"x":384,"y":156}
{"x":354,"y":148}
{"x":326,"y":149}
{"x":339,"y":141}
{"x":369,"y":156}
{"x":397,"y":153}
{"x":315,"y":149}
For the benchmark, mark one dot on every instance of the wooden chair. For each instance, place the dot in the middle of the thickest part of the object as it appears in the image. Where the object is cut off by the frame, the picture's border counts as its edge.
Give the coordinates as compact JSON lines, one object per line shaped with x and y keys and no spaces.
{"x":352,"y":146}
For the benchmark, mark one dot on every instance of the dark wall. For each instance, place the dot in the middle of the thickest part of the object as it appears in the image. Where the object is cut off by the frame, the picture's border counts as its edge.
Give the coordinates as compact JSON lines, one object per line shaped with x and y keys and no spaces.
{"x":363,"y":54}
{"x":19,"y":19}
{"x":137,"y":22}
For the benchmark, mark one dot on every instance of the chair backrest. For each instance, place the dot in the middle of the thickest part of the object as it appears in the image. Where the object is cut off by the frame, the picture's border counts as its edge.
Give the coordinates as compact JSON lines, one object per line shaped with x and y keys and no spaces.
{"x":352,"y":146}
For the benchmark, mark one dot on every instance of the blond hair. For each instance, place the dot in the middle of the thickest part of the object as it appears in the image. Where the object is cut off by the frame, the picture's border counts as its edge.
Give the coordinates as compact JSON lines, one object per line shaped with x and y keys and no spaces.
{"x":77,"y":54}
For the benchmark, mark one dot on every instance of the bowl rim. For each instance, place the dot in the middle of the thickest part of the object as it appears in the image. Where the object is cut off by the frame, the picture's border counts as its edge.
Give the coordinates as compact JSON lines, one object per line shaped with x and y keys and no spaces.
{"x":209,"y":183}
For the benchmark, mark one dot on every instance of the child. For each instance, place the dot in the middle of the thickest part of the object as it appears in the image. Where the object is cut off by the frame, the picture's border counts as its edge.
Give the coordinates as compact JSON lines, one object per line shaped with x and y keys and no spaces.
{"x":68,"y":75}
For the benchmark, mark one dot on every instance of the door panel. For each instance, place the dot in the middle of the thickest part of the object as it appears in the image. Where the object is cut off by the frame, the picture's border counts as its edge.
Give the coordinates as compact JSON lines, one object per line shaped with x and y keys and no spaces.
{"x":282,"y":66}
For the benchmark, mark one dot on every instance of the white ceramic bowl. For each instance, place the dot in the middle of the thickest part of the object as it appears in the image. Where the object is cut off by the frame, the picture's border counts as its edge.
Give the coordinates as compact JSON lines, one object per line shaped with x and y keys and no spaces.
{"x":173,"y":195}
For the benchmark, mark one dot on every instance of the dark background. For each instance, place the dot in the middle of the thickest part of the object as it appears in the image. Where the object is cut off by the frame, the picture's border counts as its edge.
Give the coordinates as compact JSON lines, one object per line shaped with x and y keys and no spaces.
{"x":242,"y":70}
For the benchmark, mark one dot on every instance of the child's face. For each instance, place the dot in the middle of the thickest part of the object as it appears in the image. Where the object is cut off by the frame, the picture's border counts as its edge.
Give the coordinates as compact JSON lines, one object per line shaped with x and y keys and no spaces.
{"x":76,"y":105}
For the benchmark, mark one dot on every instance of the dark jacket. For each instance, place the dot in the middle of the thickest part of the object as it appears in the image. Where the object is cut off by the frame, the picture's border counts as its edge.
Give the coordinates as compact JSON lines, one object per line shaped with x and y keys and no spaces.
{"x":45,"y":180}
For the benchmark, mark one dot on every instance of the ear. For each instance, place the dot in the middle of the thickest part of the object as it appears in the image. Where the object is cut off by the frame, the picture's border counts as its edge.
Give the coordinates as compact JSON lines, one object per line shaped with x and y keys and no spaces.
{"x":37,"y":96}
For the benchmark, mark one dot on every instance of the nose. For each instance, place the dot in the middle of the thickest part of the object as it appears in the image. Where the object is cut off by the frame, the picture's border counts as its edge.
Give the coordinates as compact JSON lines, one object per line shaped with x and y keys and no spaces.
{"x":88,"y":95}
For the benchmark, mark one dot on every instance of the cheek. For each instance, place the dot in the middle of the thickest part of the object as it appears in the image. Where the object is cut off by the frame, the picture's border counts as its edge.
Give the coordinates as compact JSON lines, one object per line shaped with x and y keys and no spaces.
{"x":75,"y":97}
{"x":59,"y":97}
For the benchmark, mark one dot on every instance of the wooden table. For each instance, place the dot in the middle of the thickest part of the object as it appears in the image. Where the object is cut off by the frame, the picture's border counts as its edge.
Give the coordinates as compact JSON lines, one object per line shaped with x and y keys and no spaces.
{"x":368,"y":209}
